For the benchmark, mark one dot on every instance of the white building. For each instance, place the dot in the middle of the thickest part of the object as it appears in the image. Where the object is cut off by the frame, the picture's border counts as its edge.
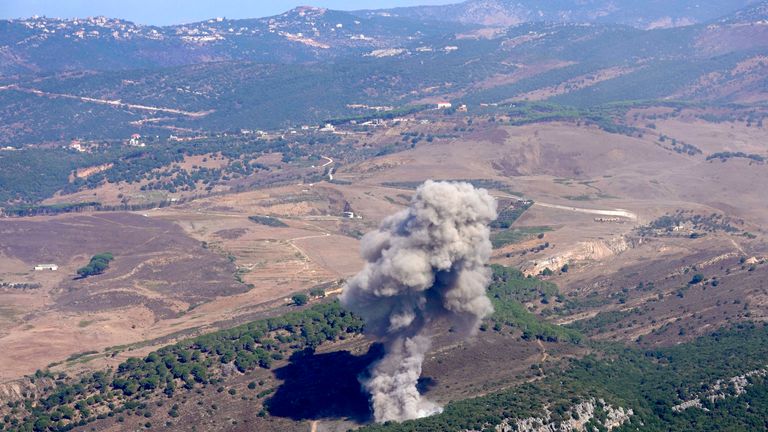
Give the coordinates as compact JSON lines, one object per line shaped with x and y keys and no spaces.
{"x":328,"y":128}
{"x":76,"y":145}
{"x":444,"y":105}
{"x":42,"y":267}
{"x":135,"y":141}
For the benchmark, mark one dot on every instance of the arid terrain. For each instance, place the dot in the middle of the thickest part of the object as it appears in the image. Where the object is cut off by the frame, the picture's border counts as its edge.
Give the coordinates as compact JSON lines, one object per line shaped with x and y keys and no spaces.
{"x":202,"y":265}
{"x":183,"y":211}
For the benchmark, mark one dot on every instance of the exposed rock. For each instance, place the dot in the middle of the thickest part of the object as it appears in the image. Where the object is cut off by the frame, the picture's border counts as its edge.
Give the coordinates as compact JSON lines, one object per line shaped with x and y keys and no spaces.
{"x":721,"y":389}
{"x":577,"y":419}
{"x":594,"y":250}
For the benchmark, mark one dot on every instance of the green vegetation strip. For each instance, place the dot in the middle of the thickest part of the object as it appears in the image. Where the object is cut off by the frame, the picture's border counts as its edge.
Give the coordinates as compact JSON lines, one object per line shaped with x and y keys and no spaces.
{"x":516,"y":235}
{"x":30,"y":175}
{"x":199,"y":362}
{"x":509,"y":290}
{"x":188,"y":364}
{"x":96,"y":266}
{"x":649,"y":383}
{"x":383,"y":115}
{"x":267,"y":220}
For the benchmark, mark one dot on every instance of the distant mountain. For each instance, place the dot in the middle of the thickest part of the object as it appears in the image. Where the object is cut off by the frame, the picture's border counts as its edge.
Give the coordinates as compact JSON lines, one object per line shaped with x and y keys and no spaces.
{"x":222,"y":80}
{"x":754,"y":14}
{"x":642,"y":14}
{"x":42,"y":45}
{"x":304,"y":34}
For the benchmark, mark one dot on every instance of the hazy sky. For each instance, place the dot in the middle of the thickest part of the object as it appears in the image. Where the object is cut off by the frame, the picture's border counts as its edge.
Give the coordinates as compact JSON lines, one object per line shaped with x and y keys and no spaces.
{"x":161,"y":12}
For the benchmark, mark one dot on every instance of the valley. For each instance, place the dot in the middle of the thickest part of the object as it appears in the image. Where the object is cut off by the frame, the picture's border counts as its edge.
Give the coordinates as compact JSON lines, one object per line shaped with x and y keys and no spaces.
{"x":622,"y":282}
{"x":233,"y":181}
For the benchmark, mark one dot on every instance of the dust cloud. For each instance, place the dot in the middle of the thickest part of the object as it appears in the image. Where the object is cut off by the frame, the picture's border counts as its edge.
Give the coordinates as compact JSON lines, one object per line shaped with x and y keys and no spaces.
{"x":424,"y":264}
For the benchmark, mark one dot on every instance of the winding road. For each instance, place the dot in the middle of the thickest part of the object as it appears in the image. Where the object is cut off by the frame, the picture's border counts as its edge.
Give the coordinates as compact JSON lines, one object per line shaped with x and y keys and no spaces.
{"x":330,"y":171}
{"x":330,"y":161}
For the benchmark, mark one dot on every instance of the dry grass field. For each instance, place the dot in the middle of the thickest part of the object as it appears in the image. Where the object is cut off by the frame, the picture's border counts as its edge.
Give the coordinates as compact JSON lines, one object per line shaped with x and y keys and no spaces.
{"x":204,"y":264}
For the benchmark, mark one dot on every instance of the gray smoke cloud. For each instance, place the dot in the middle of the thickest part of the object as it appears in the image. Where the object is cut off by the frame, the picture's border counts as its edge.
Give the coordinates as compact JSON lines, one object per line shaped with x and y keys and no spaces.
{"x":424,"y":264}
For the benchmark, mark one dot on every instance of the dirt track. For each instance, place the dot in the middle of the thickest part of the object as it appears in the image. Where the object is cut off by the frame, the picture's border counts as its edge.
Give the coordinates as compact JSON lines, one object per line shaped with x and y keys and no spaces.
{"x":115,"y":103}
{"x":616,"y":212}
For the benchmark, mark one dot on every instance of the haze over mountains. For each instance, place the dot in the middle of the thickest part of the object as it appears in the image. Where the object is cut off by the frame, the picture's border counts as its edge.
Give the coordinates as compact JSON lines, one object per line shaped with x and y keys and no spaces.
{"x":310,"y":65}
{"x":641,"y":14}
{"x":307,"y":33}
{"x":301,"y":35}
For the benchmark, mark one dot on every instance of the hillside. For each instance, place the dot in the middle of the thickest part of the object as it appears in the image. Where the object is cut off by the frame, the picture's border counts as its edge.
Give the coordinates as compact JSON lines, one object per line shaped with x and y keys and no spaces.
{"x":184,"y":209}
{"x":645,"y":15}
{"x":755,"y":13}
{"x":306,"y":34}
{"x":570,"y":64}
{"x":193,"y":326}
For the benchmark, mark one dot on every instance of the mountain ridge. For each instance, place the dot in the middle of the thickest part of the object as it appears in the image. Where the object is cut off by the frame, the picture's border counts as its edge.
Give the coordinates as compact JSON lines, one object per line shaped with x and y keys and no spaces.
{"x":304,"y":34}
{"x":95,"y":90}
{"x":647,"y":14}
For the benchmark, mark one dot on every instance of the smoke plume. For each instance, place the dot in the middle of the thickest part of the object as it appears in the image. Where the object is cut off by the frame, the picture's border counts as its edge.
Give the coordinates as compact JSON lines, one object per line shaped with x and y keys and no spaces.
{"x":424,"y":264}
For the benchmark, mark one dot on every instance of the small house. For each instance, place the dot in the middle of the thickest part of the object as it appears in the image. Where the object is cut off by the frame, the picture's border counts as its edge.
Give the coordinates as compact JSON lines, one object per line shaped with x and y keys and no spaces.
{"x":135,"y":141}
{"x":77,"y":145}
{"x":43,"y":267}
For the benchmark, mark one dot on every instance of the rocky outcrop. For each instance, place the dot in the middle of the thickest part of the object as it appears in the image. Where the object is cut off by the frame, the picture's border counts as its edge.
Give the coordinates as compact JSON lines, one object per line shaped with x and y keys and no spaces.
{"x":721,"y":389}
{"x":23,"y":388}
{"x":576,"y":419}
{"x":592,"y":250}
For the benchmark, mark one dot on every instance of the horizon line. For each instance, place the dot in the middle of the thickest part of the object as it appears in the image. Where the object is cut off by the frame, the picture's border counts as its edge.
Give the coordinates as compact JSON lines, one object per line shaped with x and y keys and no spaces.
{"x":212,"y":18}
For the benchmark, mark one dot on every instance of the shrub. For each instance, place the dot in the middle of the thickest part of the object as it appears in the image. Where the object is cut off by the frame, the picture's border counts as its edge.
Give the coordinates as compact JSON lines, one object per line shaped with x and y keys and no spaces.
{"x":96,"y":266}
{"x":300,"y":299}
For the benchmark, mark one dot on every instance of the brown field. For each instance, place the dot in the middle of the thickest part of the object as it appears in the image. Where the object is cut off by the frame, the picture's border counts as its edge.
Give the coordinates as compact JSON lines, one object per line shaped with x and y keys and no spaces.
{"x":159,"y":273}
{"x":176,"y":268}
{"x":175,"y":271}
{"x":571,"y":172}
{"x":574,"y":84}
{"x":713,"y":137}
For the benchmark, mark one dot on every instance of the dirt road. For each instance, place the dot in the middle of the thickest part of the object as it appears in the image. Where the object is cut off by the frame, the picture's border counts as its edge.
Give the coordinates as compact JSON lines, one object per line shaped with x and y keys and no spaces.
{"x":115,"y":103}
{"x":330,"y":161}
{"x":330,"y":171}
{"x":615,"y":212}
{"x":544,"y":354}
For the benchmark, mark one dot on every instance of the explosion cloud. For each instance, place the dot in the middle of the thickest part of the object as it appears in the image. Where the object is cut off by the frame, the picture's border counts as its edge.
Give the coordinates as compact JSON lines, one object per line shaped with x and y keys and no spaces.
{"x":424,"y":264}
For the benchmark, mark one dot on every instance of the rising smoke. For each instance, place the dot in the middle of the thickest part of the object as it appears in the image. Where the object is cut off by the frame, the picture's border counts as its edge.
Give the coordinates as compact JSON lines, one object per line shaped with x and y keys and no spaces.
{"x":424,"y":264}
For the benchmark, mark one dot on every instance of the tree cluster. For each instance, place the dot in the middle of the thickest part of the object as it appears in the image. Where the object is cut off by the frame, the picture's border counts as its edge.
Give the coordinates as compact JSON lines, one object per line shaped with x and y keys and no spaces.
{"x":98,"y":264}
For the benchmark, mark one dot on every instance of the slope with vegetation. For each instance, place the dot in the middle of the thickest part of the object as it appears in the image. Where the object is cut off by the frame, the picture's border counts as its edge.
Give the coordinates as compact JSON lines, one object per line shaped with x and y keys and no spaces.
{"x":208,"y":360}
{"x":566,"y":63}
{"x":648,"y":14}
{"x":649,"y":383}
